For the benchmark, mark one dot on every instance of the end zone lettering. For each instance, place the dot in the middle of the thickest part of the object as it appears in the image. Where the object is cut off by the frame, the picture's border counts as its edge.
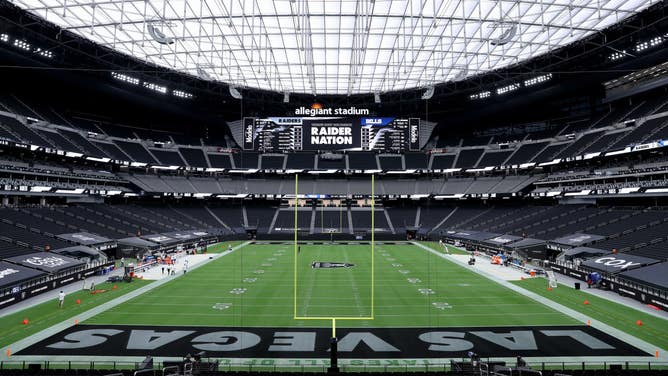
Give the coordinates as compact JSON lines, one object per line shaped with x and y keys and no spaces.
{"x":378,"y":343}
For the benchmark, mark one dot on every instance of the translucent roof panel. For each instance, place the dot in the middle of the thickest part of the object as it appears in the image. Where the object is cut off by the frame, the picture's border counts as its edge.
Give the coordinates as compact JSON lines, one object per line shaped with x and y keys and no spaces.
{"x":334,"y":46}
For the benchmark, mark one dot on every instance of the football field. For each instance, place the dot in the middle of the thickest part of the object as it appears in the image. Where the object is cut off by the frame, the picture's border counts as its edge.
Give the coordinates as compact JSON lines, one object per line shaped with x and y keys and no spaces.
{"x":275,"y":301}
{"x":254,"y":286}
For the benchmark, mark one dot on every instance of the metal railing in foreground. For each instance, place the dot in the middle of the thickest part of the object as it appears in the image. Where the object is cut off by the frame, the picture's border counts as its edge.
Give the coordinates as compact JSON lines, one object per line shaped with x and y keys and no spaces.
{"x":320,"y":366}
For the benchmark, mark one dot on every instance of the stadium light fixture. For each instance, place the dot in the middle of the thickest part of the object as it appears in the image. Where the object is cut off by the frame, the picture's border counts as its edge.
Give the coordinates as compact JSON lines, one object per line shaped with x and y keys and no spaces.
{"x":234,"y":92}
{"x":618,"y":54}
{"x":506,"y":36}
{"x":155,"y":87}
{"x":76,"y":191}
{"x":96,"y":159}
{"x":44,"y":53}
{"x":507,"y":89}
{"x":538,"y":79}
{"x":461,"y":74}
{"x":158,"y":35}
{"x":169,"y":168}
{"x":125,"y":78}
{"x":617,"y":152}
{"x":26,"y":46}
{"x":656,"y":41}
{"x":203,"y":74}
{"x":22,"y":44}
{"x":428,"y":94}
{"x":182,"y":94}
{"x":480,"y":95}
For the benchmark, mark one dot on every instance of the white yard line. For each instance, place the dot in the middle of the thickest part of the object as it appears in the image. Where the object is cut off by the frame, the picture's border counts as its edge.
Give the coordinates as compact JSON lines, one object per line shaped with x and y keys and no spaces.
{"x":645,"y":346}
{"x":307,"y":298}
{"x":22,"y":344}
{"x":356,"y":294}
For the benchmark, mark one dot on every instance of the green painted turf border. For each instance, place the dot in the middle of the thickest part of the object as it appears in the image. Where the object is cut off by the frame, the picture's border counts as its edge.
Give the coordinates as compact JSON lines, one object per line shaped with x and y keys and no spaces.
{"x":47,"y":314}
{"x":654,"y":329}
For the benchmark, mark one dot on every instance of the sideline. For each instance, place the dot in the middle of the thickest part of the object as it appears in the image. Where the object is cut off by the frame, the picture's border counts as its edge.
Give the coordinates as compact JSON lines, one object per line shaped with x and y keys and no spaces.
{"x":34,"y":338}
{"x":604,"y":294}
{"x":645,"y":346}
{"x":612,"y":296}
{"x":52,"y":295}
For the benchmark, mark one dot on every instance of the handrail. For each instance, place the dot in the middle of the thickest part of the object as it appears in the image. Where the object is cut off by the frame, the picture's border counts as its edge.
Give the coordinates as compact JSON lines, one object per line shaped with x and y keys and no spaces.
{"x":144,"y":371}
{"x":170,"y":368}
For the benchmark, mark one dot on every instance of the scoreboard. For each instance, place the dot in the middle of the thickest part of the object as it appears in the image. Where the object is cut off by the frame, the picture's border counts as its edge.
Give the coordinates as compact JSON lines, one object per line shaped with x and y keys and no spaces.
{"x":276,"y":134}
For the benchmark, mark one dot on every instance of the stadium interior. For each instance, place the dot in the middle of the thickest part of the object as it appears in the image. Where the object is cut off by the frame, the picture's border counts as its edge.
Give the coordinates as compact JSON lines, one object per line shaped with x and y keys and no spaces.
{"x":539,"y":133}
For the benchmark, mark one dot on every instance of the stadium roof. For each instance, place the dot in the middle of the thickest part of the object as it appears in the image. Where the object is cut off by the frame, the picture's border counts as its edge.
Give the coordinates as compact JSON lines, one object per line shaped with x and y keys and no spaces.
{"x":334,"y":46}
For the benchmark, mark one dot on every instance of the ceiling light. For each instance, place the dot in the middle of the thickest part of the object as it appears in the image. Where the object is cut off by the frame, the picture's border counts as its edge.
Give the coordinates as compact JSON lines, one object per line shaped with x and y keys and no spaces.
{"x":481,"y":95}
{"x":507,"y":89}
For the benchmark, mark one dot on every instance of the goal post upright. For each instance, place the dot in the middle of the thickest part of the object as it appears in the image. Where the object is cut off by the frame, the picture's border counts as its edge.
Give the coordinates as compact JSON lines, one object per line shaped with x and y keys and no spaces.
{"x":296,"y":248}
{"x":373,"y":241}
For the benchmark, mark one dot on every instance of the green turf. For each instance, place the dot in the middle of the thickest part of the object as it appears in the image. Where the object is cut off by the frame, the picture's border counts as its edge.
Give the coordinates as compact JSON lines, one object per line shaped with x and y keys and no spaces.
{"x":222,"y":247}
{"x":457,"y":296}
{"x":653,"y":330}
{"x":352,"y":285}
{"x":46,"y":314}
{"x":463,"y":297}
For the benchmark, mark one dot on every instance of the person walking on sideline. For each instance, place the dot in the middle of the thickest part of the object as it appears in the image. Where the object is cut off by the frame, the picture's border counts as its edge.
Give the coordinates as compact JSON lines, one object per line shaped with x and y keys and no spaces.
{"x":61,"y":299}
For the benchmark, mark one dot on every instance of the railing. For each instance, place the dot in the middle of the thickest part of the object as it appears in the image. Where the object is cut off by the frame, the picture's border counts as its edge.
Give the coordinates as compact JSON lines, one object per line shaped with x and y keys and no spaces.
{"x":321,"y":365}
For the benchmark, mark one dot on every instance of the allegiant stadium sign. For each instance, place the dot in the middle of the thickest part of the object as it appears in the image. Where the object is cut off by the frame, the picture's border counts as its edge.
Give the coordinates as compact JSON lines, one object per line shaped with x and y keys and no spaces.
{"x":320,"y":111}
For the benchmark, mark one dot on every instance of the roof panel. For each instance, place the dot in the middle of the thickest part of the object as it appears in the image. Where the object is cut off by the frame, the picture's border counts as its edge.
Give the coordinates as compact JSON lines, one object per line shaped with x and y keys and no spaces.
{"x":432,"y":42}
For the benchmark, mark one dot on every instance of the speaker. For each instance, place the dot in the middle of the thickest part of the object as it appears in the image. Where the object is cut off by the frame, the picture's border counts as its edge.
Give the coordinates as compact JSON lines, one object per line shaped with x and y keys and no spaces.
{"x":577,"y":285}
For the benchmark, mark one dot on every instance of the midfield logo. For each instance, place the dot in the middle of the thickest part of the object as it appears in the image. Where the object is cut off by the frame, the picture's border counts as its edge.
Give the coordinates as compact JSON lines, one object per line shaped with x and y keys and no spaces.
{"x":326,"y":265}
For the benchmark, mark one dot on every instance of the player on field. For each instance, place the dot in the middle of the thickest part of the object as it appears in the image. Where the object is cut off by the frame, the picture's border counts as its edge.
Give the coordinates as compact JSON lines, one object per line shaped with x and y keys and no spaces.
{"x":61,"y":299}
{"x":445,"y":247}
